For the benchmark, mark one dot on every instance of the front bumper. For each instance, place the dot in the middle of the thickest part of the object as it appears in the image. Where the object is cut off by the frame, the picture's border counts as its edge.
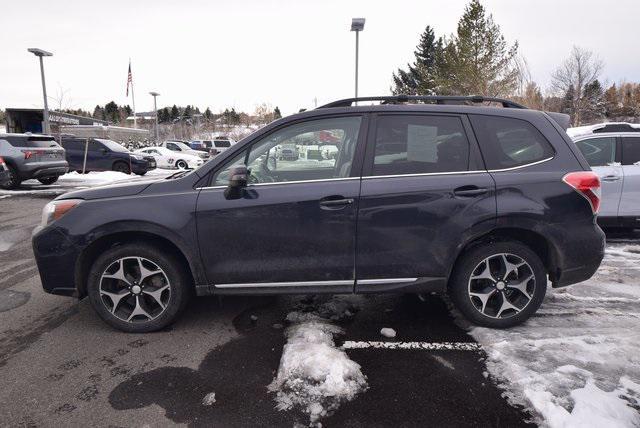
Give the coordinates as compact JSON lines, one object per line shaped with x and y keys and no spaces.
{"x":56,"y":258}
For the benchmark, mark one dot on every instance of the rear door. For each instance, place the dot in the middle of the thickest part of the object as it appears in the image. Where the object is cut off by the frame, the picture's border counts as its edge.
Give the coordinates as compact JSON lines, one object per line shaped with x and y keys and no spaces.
{"x":603,"y":155}
{"x":630,"y":201}
{"x":424,"y":192}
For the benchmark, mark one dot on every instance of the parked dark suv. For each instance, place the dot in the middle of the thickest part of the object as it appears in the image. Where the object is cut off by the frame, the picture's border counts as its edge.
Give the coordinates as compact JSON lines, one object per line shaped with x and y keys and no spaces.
{"x":104,"y":155}
{"x":483,"y":203}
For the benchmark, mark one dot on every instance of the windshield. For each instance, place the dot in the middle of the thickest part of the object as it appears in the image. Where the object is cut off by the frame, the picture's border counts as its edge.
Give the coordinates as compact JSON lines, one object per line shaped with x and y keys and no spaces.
{"x":113,"y":146}
{"x":182,"y":146}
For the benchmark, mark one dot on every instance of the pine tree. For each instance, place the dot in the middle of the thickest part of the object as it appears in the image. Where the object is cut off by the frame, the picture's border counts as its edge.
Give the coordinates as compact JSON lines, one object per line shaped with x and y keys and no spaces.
{"x":594,"y":102}
{"x":568,"y":103}
{"x":276,"y":113}
{"x":207,"y":114}
{"x":478,"y":59}
{"x":98,"y":113}
{"x":112,"y":112}
{"x":175,"y":113}
{"x":420,"y":77}
{"x":188,"y":112}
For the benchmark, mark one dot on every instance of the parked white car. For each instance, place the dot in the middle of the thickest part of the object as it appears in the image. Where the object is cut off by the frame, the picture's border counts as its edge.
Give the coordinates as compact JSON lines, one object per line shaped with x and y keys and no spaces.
{"x":183,"y":148}
{"x":166,"y":158}
{"x":615,"y":157}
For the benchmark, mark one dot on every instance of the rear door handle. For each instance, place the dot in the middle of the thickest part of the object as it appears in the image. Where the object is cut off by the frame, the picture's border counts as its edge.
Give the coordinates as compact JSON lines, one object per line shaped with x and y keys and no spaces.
{"x":611,"y":178}
{"x":335,"y":202}
{"x":469,"y":191}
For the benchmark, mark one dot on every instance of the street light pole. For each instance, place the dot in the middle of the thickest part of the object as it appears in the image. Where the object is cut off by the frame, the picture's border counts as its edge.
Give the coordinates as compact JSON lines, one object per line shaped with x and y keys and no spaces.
{"x":357,"y":25}
{"x":41,"y":53}
{"x":155,"y":109}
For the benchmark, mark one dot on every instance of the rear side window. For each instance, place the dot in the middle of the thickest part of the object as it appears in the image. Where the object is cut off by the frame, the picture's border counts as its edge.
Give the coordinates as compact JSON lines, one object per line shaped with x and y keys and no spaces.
{"x":420,"y":144}
{"x":630,"y":150}
{"x":223,"y":143}
{"x":507,"y":142}
{"x":598,"y":151}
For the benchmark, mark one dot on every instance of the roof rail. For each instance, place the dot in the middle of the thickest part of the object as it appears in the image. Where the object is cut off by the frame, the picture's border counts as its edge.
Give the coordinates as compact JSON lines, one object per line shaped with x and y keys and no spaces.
{"x":436,"y":99}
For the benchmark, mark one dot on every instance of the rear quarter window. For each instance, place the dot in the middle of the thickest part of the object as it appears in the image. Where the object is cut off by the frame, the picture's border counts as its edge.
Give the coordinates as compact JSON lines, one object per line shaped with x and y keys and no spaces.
{"x":507,"y":142}
{"x":630,"y":150}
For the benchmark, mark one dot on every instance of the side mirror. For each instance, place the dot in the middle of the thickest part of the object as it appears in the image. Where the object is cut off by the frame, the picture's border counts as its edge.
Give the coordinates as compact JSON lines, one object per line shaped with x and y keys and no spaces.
{"x":238,"y":178}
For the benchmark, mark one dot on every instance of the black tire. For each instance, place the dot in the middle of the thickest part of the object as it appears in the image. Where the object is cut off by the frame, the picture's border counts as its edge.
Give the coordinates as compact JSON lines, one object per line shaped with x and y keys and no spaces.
{"x":181,"y":164}
{"x":122,"y":167}
{"x":471,"y":262}
{"x":141,"y":173}
{"x":14,"y":179}
{"x":48,"y":180}
{"x":180,"y":287}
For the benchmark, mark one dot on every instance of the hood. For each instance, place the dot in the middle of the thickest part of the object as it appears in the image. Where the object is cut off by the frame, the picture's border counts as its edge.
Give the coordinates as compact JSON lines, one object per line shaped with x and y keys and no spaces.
{"x":109,"y":191}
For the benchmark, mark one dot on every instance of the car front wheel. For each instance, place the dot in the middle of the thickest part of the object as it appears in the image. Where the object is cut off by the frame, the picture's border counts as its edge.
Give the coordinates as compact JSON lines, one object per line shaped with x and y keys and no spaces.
{"x":138,"y":288}
{"x":182,"y":164}
{"x":122,"y":167}
{"x":499,"y":284}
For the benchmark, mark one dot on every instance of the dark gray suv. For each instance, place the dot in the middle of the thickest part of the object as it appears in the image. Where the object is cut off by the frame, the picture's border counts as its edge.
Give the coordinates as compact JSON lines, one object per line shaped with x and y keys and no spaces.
{"x":30,"y":156}
{"x":486,"y":204}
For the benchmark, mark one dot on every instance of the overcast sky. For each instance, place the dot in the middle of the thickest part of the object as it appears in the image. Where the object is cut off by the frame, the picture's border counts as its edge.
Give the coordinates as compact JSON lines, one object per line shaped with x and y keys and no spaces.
{"x":241,"y":53}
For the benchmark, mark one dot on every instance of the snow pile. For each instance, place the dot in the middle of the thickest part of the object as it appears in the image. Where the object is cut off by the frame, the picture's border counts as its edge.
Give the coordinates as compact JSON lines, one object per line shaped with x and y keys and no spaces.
{"x":314,"y":375}
{"x":577,"y":362}
{"x":388,"y":332}
{"x":94,"y":178}
{"x":209,"y":399}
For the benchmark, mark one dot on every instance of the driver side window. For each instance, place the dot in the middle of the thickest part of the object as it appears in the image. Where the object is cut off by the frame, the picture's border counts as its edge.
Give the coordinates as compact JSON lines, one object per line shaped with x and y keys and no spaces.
{"x":313,"y":150}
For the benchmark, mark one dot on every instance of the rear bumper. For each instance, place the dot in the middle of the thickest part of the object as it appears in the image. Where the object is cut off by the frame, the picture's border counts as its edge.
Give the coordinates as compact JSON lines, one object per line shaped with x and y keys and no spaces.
{"x":36,"y":170}
{"x":579,"y":252}
{"x":56,"y":258}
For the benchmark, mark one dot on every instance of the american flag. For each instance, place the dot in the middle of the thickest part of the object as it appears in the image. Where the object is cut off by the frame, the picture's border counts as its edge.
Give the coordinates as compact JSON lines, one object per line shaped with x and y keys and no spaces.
{"x":129,"y":79}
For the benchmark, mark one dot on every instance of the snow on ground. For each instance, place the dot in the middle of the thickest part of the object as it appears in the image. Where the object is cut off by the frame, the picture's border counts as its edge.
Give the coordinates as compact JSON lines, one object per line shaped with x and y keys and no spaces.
{"x":577,"y":362}
{"x":108,"y":177}
{"x":314,"y":375}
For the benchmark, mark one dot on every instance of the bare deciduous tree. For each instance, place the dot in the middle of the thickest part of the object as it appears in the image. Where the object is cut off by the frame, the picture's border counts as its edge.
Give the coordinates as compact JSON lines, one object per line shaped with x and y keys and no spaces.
{"x":580,"y":69}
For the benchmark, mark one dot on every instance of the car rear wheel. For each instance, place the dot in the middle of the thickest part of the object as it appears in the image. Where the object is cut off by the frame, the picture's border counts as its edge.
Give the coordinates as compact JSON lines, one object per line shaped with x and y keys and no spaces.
{"x":121,"y":167}
{"x":138,"y":288}
{"x":499,"y":284}
{"x":48,"y":180}
{"x":182,"y":164}
{"x":14,"y":179}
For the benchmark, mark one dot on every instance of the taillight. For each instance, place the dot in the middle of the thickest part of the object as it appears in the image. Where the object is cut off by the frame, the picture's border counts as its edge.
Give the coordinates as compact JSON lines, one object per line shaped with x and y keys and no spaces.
{"x":1,"y":160}
{"x":587,"y":184}
{"x":27,"y":154}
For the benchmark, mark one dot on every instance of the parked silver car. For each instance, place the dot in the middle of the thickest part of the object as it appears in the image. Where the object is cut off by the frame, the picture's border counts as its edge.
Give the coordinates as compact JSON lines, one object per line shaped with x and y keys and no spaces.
{"x":615,"y":157}
{"x":30,"y":156}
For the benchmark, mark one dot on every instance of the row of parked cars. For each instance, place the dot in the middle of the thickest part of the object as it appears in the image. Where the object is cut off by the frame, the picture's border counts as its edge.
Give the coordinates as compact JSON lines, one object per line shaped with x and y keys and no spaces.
{"x":42,"y":157}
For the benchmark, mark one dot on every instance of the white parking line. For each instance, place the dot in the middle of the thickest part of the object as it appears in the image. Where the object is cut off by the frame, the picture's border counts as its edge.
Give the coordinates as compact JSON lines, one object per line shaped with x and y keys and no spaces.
{"x":427,"y":346}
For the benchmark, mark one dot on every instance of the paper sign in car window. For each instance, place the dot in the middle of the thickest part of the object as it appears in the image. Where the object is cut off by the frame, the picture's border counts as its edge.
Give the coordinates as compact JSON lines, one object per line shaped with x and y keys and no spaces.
{"x":421,"y":143}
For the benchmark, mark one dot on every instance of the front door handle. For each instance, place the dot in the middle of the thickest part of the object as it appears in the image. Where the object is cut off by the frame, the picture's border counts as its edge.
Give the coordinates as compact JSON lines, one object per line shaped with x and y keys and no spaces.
{"x":611,"y":178}
{"x":335,"y":202}
{"x":469,"y":191}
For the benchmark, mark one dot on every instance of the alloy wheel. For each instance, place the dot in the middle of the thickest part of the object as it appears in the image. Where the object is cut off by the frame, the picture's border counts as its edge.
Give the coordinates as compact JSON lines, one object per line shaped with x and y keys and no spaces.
{"x":135,"y":289}
{"x":502,"y":285}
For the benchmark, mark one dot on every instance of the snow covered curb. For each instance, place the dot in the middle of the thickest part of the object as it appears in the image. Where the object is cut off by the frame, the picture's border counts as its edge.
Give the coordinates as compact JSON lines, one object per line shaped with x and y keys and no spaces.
{"x":314,"y":375}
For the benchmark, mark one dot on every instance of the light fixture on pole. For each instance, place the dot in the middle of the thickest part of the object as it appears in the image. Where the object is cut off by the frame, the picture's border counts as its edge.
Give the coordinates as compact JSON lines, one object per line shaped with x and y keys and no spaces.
{"x":155,"y":109}
{"x":41,"y":53}
{"x":357,"y":25}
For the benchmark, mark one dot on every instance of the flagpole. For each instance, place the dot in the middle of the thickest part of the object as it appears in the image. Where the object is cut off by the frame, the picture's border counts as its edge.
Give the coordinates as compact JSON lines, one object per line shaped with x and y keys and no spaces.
{"x":133,"y":101}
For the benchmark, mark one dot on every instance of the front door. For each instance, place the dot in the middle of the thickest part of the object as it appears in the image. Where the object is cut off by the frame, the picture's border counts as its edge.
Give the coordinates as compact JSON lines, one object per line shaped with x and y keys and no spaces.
{"x":294,"y":225}
{"x":600,"y":153}
{"x":424,"y":191}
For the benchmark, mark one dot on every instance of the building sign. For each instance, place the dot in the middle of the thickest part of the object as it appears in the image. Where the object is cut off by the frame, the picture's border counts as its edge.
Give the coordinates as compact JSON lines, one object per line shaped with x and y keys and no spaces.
{"x":55,"y":117}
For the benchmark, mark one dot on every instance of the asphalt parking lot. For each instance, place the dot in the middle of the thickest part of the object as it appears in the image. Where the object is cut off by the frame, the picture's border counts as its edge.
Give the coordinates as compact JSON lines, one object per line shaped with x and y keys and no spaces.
{"x":61,"y":366}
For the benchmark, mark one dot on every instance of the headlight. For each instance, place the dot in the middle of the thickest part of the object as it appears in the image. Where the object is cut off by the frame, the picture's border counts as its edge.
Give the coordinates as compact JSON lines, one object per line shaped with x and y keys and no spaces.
{"x":56,"y":209}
